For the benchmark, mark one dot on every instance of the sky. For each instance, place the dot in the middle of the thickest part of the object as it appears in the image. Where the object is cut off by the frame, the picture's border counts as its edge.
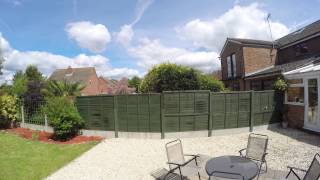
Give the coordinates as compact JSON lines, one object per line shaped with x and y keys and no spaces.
{"x":124,"y":38}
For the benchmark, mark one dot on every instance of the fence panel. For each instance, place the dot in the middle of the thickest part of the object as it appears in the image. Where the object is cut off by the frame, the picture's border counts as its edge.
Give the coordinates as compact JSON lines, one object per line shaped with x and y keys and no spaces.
{"x":267,"y":106}
{"x":186,"y":110}
{"x":139,"y":112}
{"x":97,"y":111}
{"x":33,"y":113}
{"x":230,"y":110}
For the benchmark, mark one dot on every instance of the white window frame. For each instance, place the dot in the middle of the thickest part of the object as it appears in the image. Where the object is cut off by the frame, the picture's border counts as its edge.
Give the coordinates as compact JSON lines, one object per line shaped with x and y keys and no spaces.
{"x":301,"y":85}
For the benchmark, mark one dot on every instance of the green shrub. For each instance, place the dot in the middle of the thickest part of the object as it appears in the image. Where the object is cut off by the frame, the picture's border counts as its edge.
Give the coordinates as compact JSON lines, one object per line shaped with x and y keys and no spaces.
{"x":8,"y":110}
{"x":63,"y":117}
{"x":280,"y":85}
{"x":209,"y":83}
{"x":172,"y":77}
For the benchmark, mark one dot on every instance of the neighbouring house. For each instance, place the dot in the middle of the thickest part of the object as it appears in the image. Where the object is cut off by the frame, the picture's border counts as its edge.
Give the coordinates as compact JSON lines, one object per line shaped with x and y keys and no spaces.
{"x":94,"y":85}
{"x":254,"y":65}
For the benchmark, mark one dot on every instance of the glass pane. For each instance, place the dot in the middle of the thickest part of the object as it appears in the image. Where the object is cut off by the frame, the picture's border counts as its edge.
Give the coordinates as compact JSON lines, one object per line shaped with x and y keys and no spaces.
{"x":294,"y":81}
{"x":295,"y":94}
{"x":229,"y":66}
{"x":313,"y":101}
{"x":234,"y":64}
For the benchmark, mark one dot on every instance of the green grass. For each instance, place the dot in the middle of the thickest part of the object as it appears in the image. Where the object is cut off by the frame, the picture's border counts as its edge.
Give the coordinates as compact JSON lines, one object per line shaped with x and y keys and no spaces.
{"x":25,"y":159}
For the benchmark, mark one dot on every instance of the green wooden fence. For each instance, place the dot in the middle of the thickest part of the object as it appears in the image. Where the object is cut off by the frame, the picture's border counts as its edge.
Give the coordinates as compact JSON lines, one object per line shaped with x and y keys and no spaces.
{"x":180,"y":111}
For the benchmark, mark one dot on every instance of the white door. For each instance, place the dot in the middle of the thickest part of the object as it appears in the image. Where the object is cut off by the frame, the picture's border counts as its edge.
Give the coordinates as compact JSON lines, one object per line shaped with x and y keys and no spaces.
{"x":311,"y":120}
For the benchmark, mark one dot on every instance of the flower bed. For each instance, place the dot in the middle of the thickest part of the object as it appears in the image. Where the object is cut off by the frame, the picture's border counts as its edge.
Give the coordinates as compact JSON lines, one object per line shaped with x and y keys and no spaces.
{"x":48,"y":137}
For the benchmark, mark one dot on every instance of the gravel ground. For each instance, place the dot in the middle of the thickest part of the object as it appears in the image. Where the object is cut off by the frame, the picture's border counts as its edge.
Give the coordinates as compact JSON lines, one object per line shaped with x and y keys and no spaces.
{"x":134,"y":159}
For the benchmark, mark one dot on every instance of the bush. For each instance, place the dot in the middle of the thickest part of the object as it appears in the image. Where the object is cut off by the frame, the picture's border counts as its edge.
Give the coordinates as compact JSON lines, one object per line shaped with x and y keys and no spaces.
{"x":210,"y":83}
{"x":280,"y":85}
{"x":63,"y":117}
{"x":8,"y":110}
{"x":172,"y":77}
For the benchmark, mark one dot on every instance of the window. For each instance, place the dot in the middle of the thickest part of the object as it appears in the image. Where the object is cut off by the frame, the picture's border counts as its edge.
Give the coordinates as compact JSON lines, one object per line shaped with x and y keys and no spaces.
{"x":295,"y":92}
{"x":232,"y":66}
{"x":229,"y":67}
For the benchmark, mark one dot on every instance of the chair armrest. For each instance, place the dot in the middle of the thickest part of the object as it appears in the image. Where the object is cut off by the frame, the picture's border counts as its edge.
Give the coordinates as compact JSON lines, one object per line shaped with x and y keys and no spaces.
{"x":241,"y":150}
{"x":183,"y":164}
{"x":264,"y":157}
{"x":192,"y":155}
{"x":295,"y":168}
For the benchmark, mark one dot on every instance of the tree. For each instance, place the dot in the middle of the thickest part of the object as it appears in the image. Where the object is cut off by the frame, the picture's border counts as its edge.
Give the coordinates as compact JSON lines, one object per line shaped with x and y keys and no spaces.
{"x":19,"y":85}
{"x":207,"y":82}
{"x":33,"y":74}
{"x":170,"y":77}
{"x":135,"y":82}
{"x":62,"y":89}
{"x":1,"y":61}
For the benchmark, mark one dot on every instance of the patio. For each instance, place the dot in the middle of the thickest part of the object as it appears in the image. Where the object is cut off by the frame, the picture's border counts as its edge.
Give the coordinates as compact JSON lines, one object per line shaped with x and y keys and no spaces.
{"x":121,"y":158}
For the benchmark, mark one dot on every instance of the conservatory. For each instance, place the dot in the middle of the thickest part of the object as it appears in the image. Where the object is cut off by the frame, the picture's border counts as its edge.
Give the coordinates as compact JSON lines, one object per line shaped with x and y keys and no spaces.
{"x":302,"y":94}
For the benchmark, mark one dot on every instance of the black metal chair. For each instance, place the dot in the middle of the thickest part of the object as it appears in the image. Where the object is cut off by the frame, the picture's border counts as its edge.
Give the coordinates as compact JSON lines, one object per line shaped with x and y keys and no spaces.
{"x":177,"y":161}
{"x":313,"y":173}
{"x":256,"y":150}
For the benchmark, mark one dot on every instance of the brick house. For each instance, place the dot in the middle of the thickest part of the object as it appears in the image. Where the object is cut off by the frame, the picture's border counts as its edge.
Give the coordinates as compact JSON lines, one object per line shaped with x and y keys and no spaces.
{"x":94,"y":85}
{"x":254,"y":65}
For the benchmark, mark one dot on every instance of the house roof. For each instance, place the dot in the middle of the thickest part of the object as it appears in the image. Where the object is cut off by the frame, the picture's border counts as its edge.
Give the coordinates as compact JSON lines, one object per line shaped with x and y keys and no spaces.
{"x":246,"y":42}
{"x":302,"y":33}
{"x":73,"y":75}
{"x":251,"y":41}
{"x":278,"y":69}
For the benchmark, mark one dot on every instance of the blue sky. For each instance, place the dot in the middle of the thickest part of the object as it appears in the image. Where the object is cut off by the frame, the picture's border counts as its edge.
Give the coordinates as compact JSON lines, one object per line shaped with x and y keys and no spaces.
{"x":127,"y":37}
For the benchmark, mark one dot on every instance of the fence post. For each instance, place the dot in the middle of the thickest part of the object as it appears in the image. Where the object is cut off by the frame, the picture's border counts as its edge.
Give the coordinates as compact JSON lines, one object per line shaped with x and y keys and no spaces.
{"x":22,"y":116}
{"x":162,"y":119}
{"x":46,"y":122}
{"x":251,"y":110}
{"x":115,"y":115}
{"x":210,"y":115}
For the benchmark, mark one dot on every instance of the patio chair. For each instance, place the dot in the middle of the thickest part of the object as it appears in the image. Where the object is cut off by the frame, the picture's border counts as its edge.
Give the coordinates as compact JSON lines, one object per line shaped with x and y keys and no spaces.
{"x":177,"y":161}
{"x":256,"y":150}
{"x":313,"y":173}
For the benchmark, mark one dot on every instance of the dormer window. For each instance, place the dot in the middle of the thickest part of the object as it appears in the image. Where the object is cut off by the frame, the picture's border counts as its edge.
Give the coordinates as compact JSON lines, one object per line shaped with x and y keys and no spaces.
{"x":232,"y":66}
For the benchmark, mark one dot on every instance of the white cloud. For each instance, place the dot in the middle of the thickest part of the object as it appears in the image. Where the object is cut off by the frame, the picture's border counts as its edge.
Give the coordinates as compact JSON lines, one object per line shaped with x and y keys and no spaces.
{"x":240,"y":22}
{"x":141,"y":7}
{"x":125,"y":35}
{"x":47,"y":62}
{"x":152,"y":52}
{"x":94,"y":37}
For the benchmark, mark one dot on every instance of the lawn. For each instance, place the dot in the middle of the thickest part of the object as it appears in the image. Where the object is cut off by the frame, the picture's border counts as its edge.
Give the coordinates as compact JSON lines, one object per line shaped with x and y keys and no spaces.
{"x":25,"y":159}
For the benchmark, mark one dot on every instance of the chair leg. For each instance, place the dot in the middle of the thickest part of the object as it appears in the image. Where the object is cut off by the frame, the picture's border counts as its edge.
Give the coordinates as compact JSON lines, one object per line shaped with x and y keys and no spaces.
{"x":259,"y":171}
{"x":266,"y":166}
{"x":199,"y":176}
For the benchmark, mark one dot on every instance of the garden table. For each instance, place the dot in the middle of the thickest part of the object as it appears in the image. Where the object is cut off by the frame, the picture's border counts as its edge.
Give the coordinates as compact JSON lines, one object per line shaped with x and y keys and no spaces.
{"x":232,"y":167}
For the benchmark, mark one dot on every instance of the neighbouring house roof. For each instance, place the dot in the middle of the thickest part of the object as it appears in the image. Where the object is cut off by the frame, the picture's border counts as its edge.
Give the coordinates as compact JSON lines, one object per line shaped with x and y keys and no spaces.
{"x":280,"y":69}
{"x":302,"y":33}
{"x":73,"y":75}
{"x":251,"y":41}
{"x":247,"y":42}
